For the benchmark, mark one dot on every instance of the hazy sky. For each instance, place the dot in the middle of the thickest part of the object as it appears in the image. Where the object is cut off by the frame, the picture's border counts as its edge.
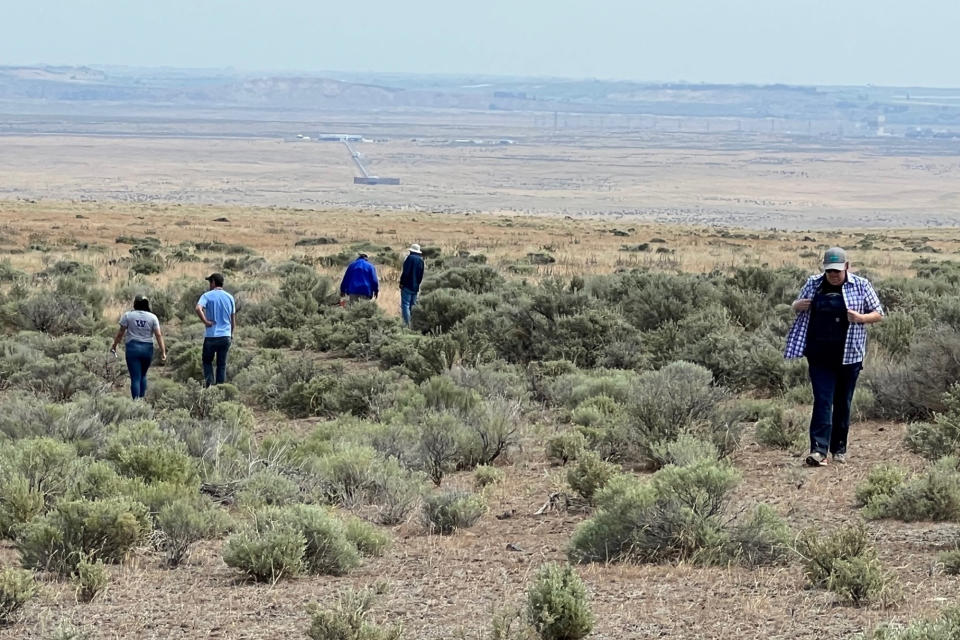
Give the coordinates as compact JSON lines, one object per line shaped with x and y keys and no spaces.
{"x":893,"y":42}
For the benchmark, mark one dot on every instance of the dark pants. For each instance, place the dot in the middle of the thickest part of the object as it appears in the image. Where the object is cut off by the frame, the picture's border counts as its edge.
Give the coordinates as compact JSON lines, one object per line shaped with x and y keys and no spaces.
{"x":408,"y":299}
{"x":215,"y":347}
{"x":833,"y":387}
{"x":139,"y":356}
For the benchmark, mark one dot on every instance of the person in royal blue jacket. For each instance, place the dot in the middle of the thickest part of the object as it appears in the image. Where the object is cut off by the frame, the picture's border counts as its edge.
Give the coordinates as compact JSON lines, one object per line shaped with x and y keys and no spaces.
{"x":410,"y":280}
{"x":360,"y":280}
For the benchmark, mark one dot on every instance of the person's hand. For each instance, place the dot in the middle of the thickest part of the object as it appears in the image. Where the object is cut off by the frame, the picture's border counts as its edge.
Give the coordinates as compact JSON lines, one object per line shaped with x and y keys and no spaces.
{"x":113,"y":350}
{"x":802,"y":305}
{"x":163,"y":357}
{"x":208,"y":323}
{"x":854,"y":317}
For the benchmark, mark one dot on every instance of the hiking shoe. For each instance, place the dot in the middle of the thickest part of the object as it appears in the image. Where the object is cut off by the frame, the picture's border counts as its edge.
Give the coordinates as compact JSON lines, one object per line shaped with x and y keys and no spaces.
{"x":816,"y":459}
{"x":840,"y":458}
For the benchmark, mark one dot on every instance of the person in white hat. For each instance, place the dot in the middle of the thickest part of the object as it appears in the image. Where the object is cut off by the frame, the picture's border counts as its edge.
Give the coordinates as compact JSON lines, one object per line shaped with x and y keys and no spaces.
{"x":410,"y":279}
{"x":832,"y":310}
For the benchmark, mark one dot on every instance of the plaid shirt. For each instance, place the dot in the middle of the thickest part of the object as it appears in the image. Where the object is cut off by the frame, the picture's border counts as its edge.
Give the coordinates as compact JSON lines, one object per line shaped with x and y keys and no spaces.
{"x":858,"y":295}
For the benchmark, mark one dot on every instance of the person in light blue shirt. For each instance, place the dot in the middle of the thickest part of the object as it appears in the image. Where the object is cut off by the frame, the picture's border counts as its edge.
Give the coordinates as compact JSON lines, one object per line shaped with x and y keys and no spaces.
{"x":218,"y":311}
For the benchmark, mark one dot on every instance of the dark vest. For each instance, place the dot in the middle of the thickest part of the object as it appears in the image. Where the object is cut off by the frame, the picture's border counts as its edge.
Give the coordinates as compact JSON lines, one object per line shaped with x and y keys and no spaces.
{"x":827,"y":331}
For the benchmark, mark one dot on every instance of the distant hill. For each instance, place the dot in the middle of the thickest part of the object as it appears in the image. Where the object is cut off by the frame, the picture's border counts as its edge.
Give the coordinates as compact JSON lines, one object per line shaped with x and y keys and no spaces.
{"x":186,"y":88}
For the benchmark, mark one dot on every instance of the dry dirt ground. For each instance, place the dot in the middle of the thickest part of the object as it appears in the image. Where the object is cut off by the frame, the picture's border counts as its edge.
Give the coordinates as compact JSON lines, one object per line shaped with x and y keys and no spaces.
{"x":440,"y":586}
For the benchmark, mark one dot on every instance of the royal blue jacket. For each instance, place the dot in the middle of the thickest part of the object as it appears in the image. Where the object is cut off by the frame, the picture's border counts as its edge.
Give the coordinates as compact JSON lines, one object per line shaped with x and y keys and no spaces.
{"x":360,"y":279}
{"x":412,"y":274}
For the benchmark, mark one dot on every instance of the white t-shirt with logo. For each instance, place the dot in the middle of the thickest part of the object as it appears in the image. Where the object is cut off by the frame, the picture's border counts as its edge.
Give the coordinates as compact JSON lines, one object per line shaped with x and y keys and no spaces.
{"x":140,"y":326}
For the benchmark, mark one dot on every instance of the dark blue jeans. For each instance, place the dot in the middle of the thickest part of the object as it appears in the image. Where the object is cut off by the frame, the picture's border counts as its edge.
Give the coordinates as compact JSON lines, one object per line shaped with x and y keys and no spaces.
{"x":408,"y":299}
{"x":833,"y":387}
{"x":215,"y":347}
{"x":139,"y":356}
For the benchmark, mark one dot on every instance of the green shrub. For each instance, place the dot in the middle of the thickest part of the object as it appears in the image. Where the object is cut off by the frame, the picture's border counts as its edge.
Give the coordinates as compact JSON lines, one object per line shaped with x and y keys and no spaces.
{"x":476,"y":279}
{"x":73,"y":530}
{"x":485,"y":475}
{"x":33,"y":473}
{"x":678,"y":399}
{"x":931,"y":496}
{"x":686,"y":450}
{"x":783,"y":428}
{"x":762,"y":538}
{"x":345,"y":476}
{"x":183,"y":522}
{"x":90,"y":578}
{"x":557,"y":604}
{"x":942,"y":436}
{"x":328,"y":551}
{"x":266,"y":551}
{"x":276,"y":338}
{"x":882,"y":481}
{"x":950,"y":560}
{"x":438,"y":445}
{"x":509,"y":623}
{"x":448,"y":511}
{"x":845,"y":563}
{"x":368,"y":540}
{"x":17,"y":587}
{"x":904,"y":390}
{"x":66,"y":630}
{"x":142,"y":450}
{"x":267,"y":487}
{"x":349,"y":619}
{"x":680,"y":513}
{"x":19,"y":503}
{"x":946,"y":627}
{"x":566,"y":446}
{"x":394,"y":492}
{"x":590,"y":475}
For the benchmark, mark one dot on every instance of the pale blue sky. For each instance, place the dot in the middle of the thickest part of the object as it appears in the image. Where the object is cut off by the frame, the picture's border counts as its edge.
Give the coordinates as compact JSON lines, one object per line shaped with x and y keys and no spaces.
{"x":893,"y":42}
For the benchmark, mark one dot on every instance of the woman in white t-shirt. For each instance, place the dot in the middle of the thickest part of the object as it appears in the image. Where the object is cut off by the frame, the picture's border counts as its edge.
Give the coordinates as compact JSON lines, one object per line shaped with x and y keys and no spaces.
{"x":138,"y":329}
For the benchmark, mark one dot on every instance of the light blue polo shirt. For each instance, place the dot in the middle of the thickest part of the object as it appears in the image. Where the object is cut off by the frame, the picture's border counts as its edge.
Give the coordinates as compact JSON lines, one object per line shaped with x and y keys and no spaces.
{"x":218,"y":306}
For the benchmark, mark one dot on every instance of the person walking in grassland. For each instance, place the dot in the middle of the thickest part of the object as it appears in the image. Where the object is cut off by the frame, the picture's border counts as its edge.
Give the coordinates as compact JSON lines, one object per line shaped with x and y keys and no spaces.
{"x":137,"y":329}
{"x":360,"y":280}
{"x":832,"y":310}
{"x":218,"y":311}
{"x":410,"y":279}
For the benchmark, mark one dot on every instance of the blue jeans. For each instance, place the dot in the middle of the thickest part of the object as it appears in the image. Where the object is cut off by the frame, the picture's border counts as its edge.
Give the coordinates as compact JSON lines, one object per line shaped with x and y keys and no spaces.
{"x":215,"y":347}
{"x":833,"y":388}
{"x":408,"y":299}
{"x":139,"y":355}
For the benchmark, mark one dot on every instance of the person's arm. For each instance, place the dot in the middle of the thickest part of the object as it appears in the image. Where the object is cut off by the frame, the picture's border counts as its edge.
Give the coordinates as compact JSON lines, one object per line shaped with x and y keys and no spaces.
{"x":117,"y":338}
{"x":343,"y":282}
{"x":163,"y":347}
{"x":233,"y":324}
{"x":201,"y":313}
{"x":871,"y":305}
{"x":864,"y":318}
{"x":376,"y":282}
{"x":418,"y":273}
{"x":203,"y":316}
{"x":405,"y":271}
{"x":805,"y":298}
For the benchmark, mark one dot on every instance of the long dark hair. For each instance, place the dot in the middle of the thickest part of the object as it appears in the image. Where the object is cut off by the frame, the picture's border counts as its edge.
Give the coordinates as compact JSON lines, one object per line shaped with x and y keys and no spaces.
{"x":140,"y":303}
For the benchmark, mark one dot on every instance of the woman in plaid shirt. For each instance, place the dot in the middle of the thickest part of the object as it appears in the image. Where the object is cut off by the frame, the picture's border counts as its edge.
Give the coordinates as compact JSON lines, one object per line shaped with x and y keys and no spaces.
{"x":832,"y":311}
